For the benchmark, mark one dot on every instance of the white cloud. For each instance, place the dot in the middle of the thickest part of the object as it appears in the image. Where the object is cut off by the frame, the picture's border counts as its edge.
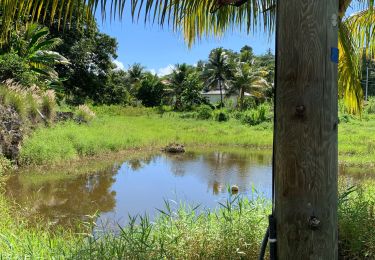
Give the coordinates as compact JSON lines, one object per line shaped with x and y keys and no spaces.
{"x":163,"y":71}
{"x":119,"y":65}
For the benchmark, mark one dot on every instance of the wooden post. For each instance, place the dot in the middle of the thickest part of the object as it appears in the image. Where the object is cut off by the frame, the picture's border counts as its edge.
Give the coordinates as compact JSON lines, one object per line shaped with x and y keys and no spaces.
{"x":306,"y":163}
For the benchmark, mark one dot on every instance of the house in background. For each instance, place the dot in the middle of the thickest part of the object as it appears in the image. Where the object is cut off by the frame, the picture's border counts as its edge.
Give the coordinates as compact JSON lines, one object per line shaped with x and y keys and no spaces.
{"x":214,"y":97}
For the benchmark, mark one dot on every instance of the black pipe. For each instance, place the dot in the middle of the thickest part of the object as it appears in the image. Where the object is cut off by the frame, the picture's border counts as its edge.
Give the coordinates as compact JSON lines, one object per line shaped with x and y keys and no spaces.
{"x":264,"y":245}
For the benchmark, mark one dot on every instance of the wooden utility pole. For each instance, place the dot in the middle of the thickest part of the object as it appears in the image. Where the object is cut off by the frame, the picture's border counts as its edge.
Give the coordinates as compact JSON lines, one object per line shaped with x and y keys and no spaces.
{"x":306,"y":163}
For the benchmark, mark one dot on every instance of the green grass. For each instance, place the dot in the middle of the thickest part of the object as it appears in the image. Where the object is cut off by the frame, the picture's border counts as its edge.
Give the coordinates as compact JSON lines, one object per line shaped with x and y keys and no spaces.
{"x":357,"y":142}
{"x":115,"y":133}
{"x":357,"y":221}
{"x":128,"y":129}
{"x":233,"y":231}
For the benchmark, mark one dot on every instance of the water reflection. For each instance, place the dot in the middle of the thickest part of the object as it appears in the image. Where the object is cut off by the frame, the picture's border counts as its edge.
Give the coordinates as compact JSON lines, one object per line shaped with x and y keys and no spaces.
{"x":62,"y":201}
{"x":140,"y":185}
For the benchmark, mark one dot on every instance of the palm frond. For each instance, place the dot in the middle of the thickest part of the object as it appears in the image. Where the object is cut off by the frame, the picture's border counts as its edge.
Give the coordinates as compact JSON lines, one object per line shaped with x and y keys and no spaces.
{"x":31,"y":11}
{"x":350,"y":71}
{"x":195,"y":18}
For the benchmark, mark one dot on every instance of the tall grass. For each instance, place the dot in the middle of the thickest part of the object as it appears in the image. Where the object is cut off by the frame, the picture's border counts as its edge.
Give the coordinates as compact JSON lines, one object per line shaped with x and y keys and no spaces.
{"x":233,"y":231}
{"x":113,"y":133}
{"x":105,"y":134}
{"x":357,"y":222}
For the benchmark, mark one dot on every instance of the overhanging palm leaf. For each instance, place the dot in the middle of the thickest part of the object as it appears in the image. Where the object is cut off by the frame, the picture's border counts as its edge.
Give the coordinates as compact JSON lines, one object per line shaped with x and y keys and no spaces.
{"x":194,"y":17}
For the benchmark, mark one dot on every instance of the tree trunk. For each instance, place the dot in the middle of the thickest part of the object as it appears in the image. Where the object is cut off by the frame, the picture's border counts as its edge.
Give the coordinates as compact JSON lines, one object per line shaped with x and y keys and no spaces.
{"x":221,"y":94}
{"x":306,"y":163}
{"x":242,"y":95}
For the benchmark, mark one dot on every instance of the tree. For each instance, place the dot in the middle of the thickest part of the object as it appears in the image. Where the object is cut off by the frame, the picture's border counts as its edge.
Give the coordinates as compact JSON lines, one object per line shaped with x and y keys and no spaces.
{"x":151,"y":91}
{"x":191,"y":94}
{"x":177,"y":79}
{"x":355,"y":33}
{"x":218,"y":71}
{"x":248,"y":78}
{"x":136,"y":73}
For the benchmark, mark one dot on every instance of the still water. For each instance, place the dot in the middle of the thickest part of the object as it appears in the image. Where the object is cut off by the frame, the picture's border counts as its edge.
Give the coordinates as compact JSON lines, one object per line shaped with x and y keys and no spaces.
{"x":141,"y":186}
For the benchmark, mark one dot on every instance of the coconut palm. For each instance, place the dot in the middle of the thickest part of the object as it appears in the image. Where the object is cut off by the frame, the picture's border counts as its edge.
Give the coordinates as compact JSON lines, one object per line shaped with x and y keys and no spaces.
{"x":218,"y":72}
{"x":136,"y":73}
{"x":197,"y":18}
{"x":248,"y":78}
{"x":176,"y":79}
{"x":202,"y":18}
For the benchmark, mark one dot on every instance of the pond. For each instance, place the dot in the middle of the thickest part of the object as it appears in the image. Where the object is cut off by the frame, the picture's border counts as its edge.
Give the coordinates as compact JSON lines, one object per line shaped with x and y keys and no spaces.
{"x":142,"y":186}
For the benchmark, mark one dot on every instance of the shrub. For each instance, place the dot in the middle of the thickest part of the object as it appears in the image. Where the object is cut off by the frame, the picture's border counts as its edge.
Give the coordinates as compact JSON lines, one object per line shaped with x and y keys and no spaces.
{"x":370,"y":107}
{"x":257,"y":115}
{"x":204,"y":112}
{"x":5,"y":165}
{"x":84,"y":114}
{"x":164,"y":109}
{"x":221,"y":115}
{"x":357,"y":222}
{"x":14,"y":67}
{"x":188,"y":115}
{"x":33,"y":106}
{"x":48,"y":106}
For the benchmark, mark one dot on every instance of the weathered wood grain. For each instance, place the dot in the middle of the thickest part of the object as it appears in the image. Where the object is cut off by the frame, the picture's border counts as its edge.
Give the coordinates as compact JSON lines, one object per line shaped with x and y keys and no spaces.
{"x":306,"y":130}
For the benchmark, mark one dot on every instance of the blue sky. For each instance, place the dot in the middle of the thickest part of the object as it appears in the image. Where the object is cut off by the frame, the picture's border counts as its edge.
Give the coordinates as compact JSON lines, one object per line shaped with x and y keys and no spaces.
{"x":159,"y":49}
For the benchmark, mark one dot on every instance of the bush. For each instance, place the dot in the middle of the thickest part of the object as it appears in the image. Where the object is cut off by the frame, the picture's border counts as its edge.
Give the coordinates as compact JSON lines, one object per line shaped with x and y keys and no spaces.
{"x":257,"y":115}
{"x":84,"y":114}
{"x":14,"y":67}
{"x":370,"y":107}
{"x":48,"y":106}
{"x":5,"y":165}
{"x":188,"y":115}
{"x":221,"y":115}
{"x":204,"y":112}
{"x":357,"y":222}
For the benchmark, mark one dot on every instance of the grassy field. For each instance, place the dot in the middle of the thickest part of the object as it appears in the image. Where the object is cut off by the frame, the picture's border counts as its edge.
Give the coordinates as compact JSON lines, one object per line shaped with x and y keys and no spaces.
{"x":117,"y":132}
{"x":114,"y":133}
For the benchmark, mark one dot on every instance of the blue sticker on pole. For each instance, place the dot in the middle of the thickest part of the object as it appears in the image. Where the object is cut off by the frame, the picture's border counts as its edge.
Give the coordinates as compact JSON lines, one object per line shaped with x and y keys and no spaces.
{"x":335,"y":55}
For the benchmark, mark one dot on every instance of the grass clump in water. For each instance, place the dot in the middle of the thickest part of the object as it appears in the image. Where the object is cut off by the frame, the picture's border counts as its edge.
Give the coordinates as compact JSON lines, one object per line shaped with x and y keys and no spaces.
{"x":234,"y":231}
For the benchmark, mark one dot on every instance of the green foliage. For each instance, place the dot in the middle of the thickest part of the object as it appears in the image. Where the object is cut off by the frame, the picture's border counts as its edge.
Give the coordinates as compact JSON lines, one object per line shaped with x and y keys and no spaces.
{"x":116,"y":110}
{"x":5,"y":165}
{"x":84,"y":114}
{"x":255,"y":116}
{"x":151,"y":91}
{"x":140,"y":128}
{"x":48,"y":105}
{"x":14,"y":67}
{"x":357,"y":222}
{"x":221,"y":115}
{"x":370,"y":106}
{"x":234,"y":231}
{"x":204,"y":112}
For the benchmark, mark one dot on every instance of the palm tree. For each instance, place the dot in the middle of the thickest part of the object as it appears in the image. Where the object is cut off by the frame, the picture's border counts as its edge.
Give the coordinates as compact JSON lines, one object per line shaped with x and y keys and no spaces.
{"x":36,"y":49}
{"x":218,"y":72}
{"x":248,"y":78}
{"x":197,"y":18}
{"x":136,"y":73}
{"x":177,"y":78}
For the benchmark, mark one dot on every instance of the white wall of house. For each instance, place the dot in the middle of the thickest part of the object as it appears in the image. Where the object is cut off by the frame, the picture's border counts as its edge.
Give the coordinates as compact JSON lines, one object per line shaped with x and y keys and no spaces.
{"x":215,"y":98}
